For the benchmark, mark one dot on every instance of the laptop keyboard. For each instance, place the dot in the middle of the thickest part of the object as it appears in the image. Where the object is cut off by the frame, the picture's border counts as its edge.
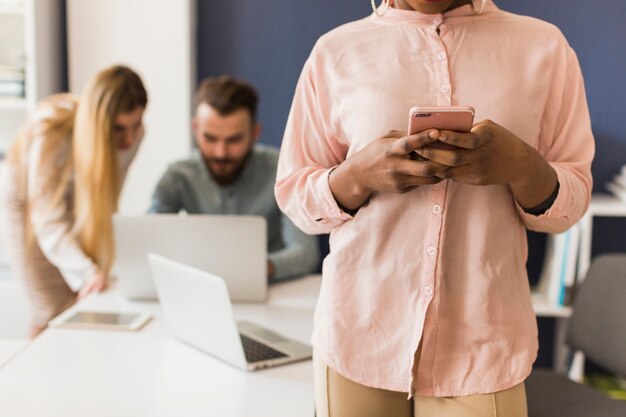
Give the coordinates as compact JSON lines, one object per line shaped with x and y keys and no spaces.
{"x":256,"y":352}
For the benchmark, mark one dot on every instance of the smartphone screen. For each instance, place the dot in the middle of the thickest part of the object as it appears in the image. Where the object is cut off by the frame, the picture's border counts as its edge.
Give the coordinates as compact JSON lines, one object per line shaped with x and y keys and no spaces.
{"x":101,"y":318}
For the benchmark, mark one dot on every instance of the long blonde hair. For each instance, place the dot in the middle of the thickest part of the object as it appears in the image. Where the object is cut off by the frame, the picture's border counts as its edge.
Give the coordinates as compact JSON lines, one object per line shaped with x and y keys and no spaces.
{"x":97,"y":183}
{"x":52,"y":122}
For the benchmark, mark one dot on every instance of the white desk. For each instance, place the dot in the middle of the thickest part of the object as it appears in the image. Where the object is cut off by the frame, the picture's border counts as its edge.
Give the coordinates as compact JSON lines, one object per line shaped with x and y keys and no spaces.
{"x":147,"y":373}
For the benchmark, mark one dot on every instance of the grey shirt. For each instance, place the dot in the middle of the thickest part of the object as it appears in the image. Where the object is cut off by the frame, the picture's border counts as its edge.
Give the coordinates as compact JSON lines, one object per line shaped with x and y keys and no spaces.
{"x":188,"y":185}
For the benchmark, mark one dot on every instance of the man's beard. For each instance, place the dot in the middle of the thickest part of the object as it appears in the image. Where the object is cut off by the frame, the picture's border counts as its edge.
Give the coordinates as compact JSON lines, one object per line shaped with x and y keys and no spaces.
{"x":232,"y":175}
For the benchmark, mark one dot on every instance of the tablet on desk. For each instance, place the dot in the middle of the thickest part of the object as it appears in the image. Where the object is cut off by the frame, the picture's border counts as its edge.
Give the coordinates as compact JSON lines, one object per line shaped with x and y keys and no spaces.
{"x":98,"y":320}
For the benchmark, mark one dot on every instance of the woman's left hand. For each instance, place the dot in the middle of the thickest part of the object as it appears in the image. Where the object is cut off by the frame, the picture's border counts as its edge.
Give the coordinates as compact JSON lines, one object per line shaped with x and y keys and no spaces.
{"x":97,"y":283}
{"x":491,"y":154}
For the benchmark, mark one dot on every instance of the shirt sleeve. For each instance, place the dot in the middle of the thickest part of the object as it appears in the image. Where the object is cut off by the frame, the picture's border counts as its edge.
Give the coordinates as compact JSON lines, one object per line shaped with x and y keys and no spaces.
{"x":166,"y":198}
{"x":52,"y":226}
{"x":310,"y":149}
{"x":300,"y":255}
{"x":567,"y":144}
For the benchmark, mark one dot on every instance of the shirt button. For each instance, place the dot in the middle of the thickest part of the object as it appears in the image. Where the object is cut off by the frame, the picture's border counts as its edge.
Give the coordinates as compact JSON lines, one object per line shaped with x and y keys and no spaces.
{"x":441,"y":56}
{"x":437,"y":20}
{"x":431,"y":250}
{"x":445,"y":88}
{"x":428,"y":291}
{"x":436,"y":209}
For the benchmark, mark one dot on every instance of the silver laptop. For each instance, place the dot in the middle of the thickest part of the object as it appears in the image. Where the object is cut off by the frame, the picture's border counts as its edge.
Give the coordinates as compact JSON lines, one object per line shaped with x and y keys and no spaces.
{"x":198,"y":311}
{"x":233,"y":247}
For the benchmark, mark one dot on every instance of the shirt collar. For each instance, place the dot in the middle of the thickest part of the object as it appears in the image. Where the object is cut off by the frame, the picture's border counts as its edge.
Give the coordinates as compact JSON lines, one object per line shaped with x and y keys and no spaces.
{"x":395,"y":16}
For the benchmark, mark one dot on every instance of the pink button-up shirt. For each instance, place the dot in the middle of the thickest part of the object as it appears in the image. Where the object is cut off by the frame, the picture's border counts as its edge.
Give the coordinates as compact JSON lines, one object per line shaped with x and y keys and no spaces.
{"x":444,"y":264}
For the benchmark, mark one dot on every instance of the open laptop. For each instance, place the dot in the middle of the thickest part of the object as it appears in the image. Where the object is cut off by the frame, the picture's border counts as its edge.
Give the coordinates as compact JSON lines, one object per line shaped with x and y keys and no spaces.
{"x":198,"y":311}
{"x":233,"y":247}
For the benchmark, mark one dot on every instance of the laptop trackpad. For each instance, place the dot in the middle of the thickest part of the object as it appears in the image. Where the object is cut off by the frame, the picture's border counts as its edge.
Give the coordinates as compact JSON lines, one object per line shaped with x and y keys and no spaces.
{"x":260,"y":332}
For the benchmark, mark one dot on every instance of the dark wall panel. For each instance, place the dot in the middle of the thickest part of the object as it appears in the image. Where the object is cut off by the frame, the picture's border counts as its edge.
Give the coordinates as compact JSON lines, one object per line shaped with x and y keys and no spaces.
{"x":266,"y":42}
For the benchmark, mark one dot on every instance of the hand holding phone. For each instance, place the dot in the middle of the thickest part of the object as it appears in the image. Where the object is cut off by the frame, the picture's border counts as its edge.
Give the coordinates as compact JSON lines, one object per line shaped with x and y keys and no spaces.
{"x":455,"y":118}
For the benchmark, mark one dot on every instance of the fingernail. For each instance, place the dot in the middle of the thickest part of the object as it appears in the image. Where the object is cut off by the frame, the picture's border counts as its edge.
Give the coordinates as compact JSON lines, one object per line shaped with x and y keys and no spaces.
{"x":433,"y":134}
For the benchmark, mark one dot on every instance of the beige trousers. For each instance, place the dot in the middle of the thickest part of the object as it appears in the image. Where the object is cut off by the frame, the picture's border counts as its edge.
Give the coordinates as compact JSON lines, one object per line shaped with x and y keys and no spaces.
{"x":336,"y":396}
{"x":45,"y":287}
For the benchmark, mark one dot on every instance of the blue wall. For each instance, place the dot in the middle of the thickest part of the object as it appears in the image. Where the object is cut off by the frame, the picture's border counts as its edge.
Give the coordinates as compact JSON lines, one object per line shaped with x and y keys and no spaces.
{"x":596,"y":29}
{"x":267,"y":42}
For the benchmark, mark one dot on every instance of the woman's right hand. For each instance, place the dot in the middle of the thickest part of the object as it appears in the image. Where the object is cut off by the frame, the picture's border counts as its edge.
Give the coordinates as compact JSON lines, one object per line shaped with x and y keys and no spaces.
{"x":387,"y":164}
{"x":97,"y":283}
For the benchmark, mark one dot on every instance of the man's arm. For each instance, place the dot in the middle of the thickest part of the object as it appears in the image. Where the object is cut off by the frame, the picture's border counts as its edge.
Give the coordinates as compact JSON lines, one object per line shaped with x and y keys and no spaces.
{"x":300,"y":256}
{"x":166,"y":197}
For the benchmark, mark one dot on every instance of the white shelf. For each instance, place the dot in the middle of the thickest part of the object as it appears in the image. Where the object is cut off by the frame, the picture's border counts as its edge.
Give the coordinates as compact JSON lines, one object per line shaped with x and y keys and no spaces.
{"x":11,"y":8}
{"x":546,"y":310}
{"x":602,"y":205}
{"x":13,"y":103}
{"x":607,"y":205}
{"x":31,"y":35}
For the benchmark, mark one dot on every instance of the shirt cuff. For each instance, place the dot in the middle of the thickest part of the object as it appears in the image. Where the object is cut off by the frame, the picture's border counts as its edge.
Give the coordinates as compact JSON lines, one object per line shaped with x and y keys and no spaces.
{"x":327,"y":210}
{"x":563,"y":211}
{"x":77,"y":279}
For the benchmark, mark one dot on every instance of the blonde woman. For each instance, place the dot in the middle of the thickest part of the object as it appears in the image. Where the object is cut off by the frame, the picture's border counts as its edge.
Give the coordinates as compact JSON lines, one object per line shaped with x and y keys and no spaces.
{"x":60,"y":185}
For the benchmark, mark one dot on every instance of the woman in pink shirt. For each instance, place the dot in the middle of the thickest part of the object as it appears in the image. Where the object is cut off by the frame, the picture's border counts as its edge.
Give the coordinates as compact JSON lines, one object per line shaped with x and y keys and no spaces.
{"x":425,"y":293}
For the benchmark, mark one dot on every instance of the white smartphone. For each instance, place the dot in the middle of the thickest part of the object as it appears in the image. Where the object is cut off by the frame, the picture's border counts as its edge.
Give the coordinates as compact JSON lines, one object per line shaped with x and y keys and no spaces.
{"x":98,"y":320}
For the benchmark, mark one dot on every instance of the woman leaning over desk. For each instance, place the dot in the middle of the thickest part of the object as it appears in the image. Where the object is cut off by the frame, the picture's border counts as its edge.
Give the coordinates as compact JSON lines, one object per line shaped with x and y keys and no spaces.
{"x":60,"y":185}
{"x":425,"y":293}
